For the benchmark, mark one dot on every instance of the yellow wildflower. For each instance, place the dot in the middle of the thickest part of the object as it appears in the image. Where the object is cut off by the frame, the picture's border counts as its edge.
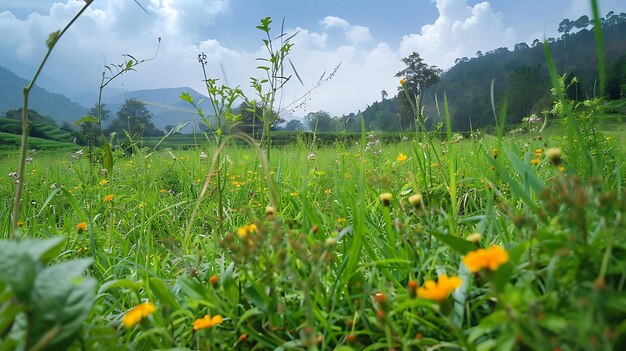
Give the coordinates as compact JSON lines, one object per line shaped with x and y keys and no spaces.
{"x":104,"y":182}
{"x":401,"y":157}
{"x":81,"y":227}
{"x":535,"y":161}
{"x":108,"y":198}
{"x":490,"y":258}
{"x":135,"y":315}
{"x":538,"y":152}
{"x":402,"y":82}
{"x":385,"y":199}
{"x":439,"y":290}
{"x":162,"y":191}
{"x":207,"y":322}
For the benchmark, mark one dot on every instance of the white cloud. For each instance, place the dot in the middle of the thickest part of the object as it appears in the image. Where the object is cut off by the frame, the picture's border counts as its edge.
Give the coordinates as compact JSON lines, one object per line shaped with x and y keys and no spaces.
{"x":460,"y":30}
{"x":332,"y":21}
{"x":356,"y":34}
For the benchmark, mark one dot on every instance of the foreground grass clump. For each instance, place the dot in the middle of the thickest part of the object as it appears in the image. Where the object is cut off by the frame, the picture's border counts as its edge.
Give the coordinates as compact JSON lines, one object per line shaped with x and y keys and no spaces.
{"x":362,"y":247}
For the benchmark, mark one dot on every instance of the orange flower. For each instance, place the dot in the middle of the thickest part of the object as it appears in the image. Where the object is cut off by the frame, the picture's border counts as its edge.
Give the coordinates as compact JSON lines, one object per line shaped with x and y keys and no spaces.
{"x":207,"y":322}
{"x":81,"y":227}
{"x":491,"y":258}
{"x":135,"y":315}
{"x":440,"y":290}
{"x":535,"y":161}
{"x":538,"y":152}
{"x":108,"y":198}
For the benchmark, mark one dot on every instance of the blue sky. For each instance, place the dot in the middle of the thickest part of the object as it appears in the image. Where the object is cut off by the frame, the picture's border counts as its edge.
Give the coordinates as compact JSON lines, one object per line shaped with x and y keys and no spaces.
{"x":367,"y":37}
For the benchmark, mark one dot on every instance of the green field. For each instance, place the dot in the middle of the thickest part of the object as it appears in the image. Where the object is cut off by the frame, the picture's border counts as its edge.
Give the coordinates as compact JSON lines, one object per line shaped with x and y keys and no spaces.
{"x":335,"y":266}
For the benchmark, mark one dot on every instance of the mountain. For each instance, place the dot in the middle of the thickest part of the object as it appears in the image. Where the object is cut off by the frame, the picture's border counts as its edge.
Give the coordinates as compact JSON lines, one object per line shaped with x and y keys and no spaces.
{"x":57,"y":106}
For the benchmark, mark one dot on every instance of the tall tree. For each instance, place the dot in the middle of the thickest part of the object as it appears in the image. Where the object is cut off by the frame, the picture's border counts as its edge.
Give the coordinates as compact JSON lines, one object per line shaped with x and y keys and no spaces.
{"x":135,"y":118}
{"x":417,"y":77}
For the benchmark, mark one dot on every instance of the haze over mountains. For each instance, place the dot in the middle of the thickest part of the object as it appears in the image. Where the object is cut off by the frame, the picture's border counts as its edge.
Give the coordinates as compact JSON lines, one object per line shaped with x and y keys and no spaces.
{"x":165,"y":104}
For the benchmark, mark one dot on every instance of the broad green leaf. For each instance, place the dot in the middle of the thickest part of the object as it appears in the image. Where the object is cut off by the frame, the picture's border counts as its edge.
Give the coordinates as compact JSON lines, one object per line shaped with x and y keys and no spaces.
{"x":61,"y":298}
{"x":457,"y":244}
{"x":43,"y":249}
{"x":257,"y":297}
{"x":163,"y":293}
{"x":120,"y":283}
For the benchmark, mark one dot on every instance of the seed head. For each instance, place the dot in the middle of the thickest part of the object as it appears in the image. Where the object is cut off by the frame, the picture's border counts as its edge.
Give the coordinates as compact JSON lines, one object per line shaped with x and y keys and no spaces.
{"x":554,"y":155}
{"x":385,"y":199}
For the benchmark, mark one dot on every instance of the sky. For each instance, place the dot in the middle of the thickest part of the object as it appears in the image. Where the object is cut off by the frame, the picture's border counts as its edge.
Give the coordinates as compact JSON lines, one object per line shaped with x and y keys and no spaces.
{"x":366,"y":38}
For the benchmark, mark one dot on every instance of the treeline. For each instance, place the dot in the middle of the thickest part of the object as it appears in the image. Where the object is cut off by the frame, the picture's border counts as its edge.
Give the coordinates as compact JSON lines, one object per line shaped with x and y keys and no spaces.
{"x":521,"y":76}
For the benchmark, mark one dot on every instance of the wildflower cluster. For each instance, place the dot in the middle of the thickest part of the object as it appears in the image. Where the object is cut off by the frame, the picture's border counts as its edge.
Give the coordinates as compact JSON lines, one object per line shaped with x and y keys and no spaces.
{"x":490,"y":258}
{"x":439,"y":290}
{"x":137,"y":314}
{"x":207,"y":322}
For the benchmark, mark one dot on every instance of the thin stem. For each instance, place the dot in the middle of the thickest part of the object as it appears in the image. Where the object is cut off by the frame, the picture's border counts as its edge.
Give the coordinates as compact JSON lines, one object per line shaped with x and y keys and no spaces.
{"x":26,"y":128}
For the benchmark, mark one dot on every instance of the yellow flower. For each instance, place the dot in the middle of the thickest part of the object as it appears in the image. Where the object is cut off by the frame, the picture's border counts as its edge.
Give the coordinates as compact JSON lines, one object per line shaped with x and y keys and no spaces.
{"x":490,"y":258}
{"x":135,"y":315}
{"x":535,"y":161}
{"x":162,"y":191}
{"x":20,"y":223}
{"x":538,"y":152}
{"x":402,"y":82}
{"x":401,"y":157}
{"x":81,"y":227}
{"x":246,"y":229}
{"x":104,"y":182}
{"x":108,"y":198}
{"x":494,"y":153}
{"x":294,"y":194}
{"x":207,"y":322}
{"x":439,"y":290}
{"x":341,"y":220}
{"x":385,"y":199}
{"x":435,"y":165}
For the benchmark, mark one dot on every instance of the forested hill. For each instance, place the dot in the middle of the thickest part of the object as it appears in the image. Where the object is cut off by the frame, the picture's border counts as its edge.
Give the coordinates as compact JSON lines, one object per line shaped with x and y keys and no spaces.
{"x":57,"y":106}
{"x":521,"y":75}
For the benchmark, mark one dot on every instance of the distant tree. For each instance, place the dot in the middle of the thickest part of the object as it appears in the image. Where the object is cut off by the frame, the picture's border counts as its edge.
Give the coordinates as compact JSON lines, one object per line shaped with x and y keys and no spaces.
{"x":319,"y":121}
{"x":294,"y":126}
{"x":461,"y":60}
{"x":565,"y":27}
{"x":89,"y":131}
{"x":582,"y":22}
{"x":135,"y":118}
{"x":417,"y":76}
{"x":250,"y":122}
{"x":479,"y":53}
{"x":520,"y":46}
{"x":536,"y":42}
{"x":383,"y":95}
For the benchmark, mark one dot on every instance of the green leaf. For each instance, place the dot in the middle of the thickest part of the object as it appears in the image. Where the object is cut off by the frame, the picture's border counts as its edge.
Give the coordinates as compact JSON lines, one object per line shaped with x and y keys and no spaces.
{"x":18,"y":269}
{"x":52,"y":39}
{"x":186,"y":97}
{"x":120,"y":283}
{"x":258,"y":297}
{"x":43,"y":249}
{"x":163,"y":293}
{"x":525,"y":171}
{"x":86,"y":119}
{"x":61,"y":301}
{"x":108,"y":159}
{"x":457,"y":244}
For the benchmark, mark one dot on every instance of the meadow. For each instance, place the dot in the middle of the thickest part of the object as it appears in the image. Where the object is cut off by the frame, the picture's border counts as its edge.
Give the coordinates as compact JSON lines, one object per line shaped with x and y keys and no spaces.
{"x":326,"y":247}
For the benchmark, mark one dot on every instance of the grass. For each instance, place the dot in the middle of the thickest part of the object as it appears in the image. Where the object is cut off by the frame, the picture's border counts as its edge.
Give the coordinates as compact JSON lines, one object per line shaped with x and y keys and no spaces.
{"x":312,"y":275}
